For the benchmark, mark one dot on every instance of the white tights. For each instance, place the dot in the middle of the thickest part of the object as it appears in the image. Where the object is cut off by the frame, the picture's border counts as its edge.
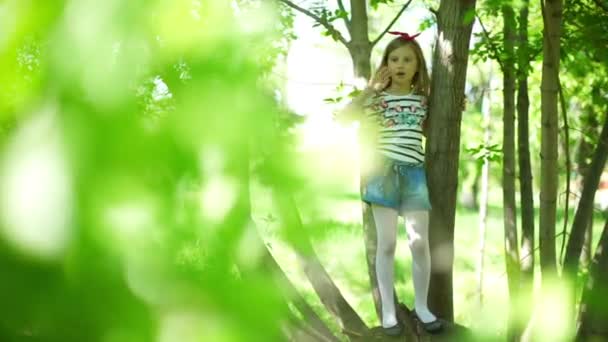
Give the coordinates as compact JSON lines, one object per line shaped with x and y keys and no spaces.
{"x":416,"y":226}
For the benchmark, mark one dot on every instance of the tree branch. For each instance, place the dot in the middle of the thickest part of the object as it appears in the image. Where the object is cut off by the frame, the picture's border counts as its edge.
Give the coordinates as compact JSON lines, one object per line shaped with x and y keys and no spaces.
{"x":391,"y":23}
{"x":323,"y":284}
{"x":343,"y":9}
{"x":496,"y":52}
{"x":332,"y":30}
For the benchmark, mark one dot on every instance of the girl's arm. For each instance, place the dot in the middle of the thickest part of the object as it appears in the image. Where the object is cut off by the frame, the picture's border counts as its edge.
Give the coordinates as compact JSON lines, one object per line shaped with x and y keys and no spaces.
{"x":353,"y":110}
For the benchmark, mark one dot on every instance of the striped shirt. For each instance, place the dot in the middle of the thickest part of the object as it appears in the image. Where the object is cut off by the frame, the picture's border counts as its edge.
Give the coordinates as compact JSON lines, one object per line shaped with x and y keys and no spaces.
{"x":399,"y":119}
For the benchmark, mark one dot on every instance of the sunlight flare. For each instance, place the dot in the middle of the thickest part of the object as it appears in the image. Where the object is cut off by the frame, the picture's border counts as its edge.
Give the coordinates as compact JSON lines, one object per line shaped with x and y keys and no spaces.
{"x":36,"y":201}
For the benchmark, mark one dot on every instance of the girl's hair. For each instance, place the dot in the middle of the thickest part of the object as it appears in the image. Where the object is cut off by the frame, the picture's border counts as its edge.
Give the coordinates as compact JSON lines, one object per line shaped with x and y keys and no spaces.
{"x":421,"y":81}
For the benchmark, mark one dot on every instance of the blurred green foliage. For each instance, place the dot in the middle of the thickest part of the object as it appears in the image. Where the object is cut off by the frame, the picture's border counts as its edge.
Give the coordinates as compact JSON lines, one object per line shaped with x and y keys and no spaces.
{"x":137,"y":121}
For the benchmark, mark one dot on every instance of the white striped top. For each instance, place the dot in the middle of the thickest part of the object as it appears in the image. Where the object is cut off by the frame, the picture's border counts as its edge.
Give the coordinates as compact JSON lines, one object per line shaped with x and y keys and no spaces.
{"x":399,"y":118}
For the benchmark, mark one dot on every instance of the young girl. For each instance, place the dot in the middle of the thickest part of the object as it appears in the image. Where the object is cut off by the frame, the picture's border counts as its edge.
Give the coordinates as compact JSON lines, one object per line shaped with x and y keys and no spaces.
{"x":393,"y":108}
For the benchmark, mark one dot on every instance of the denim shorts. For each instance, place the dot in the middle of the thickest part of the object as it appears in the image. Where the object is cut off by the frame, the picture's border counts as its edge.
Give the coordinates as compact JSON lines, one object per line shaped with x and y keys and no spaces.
{"x":397,"y":185}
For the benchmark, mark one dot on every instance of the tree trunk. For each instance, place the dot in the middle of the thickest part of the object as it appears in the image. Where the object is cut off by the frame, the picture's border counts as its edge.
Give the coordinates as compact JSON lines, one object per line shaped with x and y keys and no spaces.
{"x":584,"y":153}
{"x":526,"y":294}
{"x":470,"y":187}
{"x":371,"y":242}
{"x":326,"y":289}
{"x":442,"y":146}
{"x":360,"y":48}
{"x":360,"y":52}
{"x":585,"y":204}
{"x":485,"y":177}
{"x":525,"y":168}
{"x":511,"y":246}
{"x":552,"y":14}
{"x":587,"y":243}
{"x":593,"y":316}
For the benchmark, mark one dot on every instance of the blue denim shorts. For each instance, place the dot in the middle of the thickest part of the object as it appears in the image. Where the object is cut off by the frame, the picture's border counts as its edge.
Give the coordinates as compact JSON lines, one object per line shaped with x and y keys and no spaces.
{"x":397,"y":185}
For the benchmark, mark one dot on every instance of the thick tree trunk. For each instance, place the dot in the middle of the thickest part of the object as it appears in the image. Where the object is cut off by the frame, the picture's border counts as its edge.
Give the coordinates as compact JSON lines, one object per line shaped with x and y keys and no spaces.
{"x":442,"y":146}
{"x":511,"y":246}
{"x":552,"y":14}
{"x":360,"y":54}
{"x":360,"y":47}
{"x":585,"y":205}
{"x":593,"y":316}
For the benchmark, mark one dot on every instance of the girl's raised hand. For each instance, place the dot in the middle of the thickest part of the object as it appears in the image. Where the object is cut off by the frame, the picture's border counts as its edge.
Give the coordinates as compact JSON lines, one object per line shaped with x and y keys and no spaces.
{"x":380,"y":79}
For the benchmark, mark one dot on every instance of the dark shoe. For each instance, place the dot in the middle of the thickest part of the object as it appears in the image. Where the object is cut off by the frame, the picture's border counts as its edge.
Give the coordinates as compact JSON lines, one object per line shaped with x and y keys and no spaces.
{"x":395,"y":330}
{"x":432,"y":327}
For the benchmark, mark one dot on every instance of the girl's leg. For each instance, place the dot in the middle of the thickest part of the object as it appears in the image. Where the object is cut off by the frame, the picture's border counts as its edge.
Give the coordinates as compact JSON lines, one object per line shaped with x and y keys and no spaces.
{"x":386,"y":228}
{"x":417,"y":226}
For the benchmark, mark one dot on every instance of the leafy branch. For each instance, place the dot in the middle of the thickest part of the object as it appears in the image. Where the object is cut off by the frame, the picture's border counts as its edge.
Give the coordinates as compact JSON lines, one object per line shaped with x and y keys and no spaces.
{"x":322,"y":19}
{"x":494,"y":50}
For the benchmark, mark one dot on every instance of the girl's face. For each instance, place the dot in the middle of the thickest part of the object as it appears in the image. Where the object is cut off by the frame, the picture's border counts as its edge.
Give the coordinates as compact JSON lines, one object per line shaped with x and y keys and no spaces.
{"x":402,"y":64}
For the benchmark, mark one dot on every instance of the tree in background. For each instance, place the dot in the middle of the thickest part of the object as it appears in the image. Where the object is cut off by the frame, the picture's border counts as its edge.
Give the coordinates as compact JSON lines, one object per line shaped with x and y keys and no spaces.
{"x":577,"y":68}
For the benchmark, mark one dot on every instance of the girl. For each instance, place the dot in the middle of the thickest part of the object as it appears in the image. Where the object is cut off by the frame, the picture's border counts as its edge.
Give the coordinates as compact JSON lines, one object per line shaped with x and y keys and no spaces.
{"x":393,"y":107}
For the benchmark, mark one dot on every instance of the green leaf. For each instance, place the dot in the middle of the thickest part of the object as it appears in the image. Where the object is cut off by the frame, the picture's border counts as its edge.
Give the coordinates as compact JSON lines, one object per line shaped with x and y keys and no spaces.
{"x":426,"y":23}
{"x":341,"y":14}
{"x":354,"y":93}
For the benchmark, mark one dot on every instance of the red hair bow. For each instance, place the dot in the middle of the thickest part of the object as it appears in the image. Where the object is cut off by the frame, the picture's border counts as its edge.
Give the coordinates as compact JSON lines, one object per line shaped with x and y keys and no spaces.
{"x":404,"y":35}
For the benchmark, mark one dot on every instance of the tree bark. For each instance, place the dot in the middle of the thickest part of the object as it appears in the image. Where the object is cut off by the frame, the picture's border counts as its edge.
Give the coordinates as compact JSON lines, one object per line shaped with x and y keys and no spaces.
{"x":360,"y":48}
{"x":511,"y":246}
{"x":525,"y":168}
{"x":584,"y":211}
{"x":552,"y":14}
{"x":442,"y":146}
{"x":585,"y":261}
{"x":584,"y":154}
{"x":593,"y":315}
{"x":371,"y":242}
{"x":526,"y":294}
